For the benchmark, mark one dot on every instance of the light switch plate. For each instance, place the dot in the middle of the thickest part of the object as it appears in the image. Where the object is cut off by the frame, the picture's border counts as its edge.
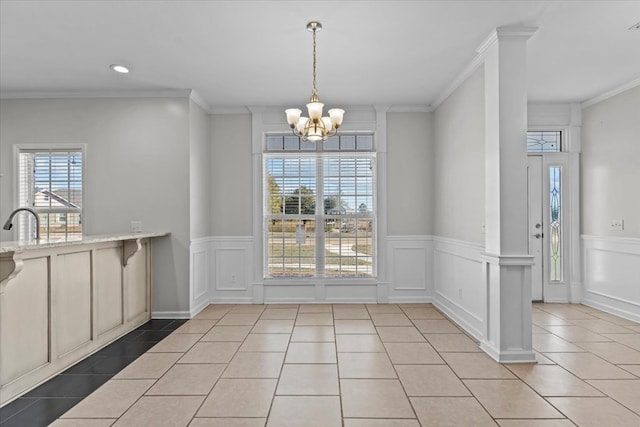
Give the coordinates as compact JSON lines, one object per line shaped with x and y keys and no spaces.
{"x":136,"y":226}
{"x":616,"y":225}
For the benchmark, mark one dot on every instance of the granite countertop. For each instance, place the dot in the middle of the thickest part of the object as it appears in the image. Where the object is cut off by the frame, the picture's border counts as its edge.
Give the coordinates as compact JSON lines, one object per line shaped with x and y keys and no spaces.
{"x":25,"y":245}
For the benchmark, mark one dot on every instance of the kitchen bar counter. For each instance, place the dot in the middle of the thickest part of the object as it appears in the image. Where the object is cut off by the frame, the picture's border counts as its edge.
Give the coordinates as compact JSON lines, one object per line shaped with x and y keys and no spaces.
{"x":63,"y":299}
{"x":25,"y":245}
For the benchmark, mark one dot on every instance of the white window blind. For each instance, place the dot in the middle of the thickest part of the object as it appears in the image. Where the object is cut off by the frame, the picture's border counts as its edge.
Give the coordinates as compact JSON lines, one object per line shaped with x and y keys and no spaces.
{"x":319,"y":208}
{"x":51,"y":183}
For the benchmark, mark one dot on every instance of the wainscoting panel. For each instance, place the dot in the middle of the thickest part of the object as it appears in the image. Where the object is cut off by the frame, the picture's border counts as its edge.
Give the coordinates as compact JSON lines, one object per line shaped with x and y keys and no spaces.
{"x":353,"y":292}
{"x":612,"y":275}
{"x":293,"y":293}
{"x":199,"y":274}
{"x":220,"y":271}
{"x":409,"y":265}
{"x":460,"y":288}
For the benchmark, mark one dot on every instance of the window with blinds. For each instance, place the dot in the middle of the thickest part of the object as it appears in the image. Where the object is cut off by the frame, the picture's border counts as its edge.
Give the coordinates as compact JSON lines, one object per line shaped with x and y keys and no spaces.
{"x":51,"y":183}
{"x":319,"y":207}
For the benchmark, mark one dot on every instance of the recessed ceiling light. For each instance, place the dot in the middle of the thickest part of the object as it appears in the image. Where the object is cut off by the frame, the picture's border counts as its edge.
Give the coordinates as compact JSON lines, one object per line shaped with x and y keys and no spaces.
{"x":119,"y":68}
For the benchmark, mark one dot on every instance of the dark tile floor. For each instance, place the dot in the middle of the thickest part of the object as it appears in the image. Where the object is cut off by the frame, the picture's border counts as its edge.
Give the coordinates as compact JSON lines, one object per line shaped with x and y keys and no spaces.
{"x":44,"y":404}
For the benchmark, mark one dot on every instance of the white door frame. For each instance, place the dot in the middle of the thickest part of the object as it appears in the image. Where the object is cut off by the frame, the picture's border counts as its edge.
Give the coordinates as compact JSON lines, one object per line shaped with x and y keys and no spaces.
{"x":556,"y":291}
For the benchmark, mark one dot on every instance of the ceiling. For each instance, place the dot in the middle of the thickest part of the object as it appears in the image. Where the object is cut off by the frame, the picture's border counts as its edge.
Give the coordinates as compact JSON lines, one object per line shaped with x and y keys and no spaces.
{"x":257,"y":53}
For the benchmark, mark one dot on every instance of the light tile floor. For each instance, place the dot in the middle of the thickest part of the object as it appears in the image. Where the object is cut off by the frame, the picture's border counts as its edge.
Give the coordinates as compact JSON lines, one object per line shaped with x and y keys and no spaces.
{"x":403,"y":365}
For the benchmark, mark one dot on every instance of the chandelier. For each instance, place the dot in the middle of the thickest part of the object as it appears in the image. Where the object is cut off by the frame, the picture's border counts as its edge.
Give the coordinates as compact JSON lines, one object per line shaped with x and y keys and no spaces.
{"x":315,"y":127}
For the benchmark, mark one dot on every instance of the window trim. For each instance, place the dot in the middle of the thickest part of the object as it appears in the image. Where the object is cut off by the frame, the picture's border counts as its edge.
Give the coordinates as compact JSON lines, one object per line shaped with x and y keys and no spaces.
{"x":18,"y":148}
{"x":562,"y":137}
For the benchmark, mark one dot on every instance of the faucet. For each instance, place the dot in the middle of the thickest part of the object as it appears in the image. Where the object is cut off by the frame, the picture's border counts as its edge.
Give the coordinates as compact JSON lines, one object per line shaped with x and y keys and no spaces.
{"x":7,"y":225}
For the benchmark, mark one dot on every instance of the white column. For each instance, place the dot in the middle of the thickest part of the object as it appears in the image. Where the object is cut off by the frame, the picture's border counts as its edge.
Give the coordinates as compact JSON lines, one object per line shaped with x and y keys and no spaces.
{"x":508,"y":263}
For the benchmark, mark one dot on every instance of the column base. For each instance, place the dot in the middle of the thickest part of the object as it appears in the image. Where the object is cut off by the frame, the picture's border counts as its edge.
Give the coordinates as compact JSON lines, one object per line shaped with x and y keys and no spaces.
{"x":508,"y":356}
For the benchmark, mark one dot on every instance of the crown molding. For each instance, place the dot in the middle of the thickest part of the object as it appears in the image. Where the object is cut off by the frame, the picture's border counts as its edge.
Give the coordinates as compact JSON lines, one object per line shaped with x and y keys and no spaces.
{"x":231,"y":110}
{"x":461,"y":78}
{"x":611,"y":93}
{"x":195,"y":97}
{"x":165,"y":93}
{"x":409,"y":109}
{"x":496,"y":34}
{"x":504,"y":32}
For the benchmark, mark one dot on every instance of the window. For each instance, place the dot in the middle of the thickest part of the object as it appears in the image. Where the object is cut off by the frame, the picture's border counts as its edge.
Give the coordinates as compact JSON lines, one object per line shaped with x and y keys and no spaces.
{"x":544,"y":141}
{"x":555,"y":225}
{"x":319,"y":207}
{"x":50,"y":182}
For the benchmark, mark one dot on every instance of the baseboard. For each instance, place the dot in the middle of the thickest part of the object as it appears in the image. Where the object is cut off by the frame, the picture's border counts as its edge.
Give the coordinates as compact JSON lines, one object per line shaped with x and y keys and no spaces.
{"x":198,"y":308}
{"x":508,"y":356}
{"x":411,"y":300}
{"x":171,"y":315}
{"x":617,"y":311}
{"x":453,"y":315}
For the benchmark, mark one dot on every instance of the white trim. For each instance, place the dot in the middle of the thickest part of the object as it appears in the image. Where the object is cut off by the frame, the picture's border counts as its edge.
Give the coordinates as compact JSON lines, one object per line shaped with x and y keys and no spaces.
{"x":418,"y":108}
{"x":609,"y":94}
{"x":611,"y":288}
{"x":461,"y":243}
{"x":507,"y":356}
{"x":171,"y":314}
{"x":457,"y":307}
{"x":475,"y":63}
{"x":164,"y":93}
{"x":195,"y":97}
{"x":608,"y":308}
{"x":607,"y":239}
{"x":246,"y":239}
{"x":411,"y":238}
{"x":478,"y":60}
{"x":230,"y":110}
{"x":511,"y":260}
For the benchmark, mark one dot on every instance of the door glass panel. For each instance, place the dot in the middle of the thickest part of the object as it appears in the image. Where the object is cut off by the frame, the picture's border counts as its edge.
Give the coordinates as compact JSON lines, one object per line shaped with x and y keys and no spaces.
{"x":544,"y":141}
{"x":555,"y":226}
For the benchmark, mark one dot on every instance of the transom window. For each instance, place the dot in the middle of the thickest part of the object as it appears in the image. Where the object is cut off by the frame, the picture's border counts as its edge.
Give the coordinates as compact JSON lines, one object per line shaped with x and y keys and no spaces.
{"x":544,"y":141}
{"x":50,"y":183}
{"x":319,"y":207}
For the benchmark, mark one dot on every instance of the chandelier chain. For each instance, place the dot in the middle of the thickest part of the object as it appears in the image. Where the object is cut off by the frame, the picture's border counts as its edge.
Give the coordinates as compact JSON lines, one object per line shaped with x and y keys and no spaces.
{"x":315,"y":89}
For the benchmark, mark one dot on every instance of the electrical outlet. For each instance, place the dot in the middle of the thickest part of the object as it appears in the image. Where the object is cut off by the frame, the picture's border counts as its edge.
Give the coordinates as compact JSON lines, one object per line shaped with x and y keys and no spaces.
{"x":136,"y":226}
{"x":233,"y":278}
{"x":616,"y":225}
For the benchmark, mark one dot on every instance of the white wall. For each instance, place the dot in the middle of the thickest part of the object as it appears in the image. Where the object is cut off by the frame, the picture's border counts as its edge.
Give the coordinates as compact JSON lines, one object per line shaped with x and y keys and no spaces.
{"x":410,"y":185}
{"x":459,"y":276}
{"x":137,"y":168}
{"x":231,"y":175}
{"x":609,"y":165}
{"x":199,"y":171}
{"x":459,"y":163}
{"x":609,"y":190}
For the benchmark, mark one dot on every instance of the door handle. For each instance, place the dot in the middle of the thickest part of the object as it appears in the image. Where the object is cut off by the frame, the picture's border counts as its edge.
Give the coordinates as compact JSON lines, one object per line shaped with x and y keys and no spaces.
{"x":538,"y":235}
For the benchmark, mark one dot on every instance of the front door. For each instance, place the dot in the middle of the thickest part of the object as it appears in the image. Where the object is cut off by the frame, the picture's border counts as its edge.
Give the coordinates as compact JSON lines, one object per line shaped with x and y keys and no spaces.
{"x":536,"y":226}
